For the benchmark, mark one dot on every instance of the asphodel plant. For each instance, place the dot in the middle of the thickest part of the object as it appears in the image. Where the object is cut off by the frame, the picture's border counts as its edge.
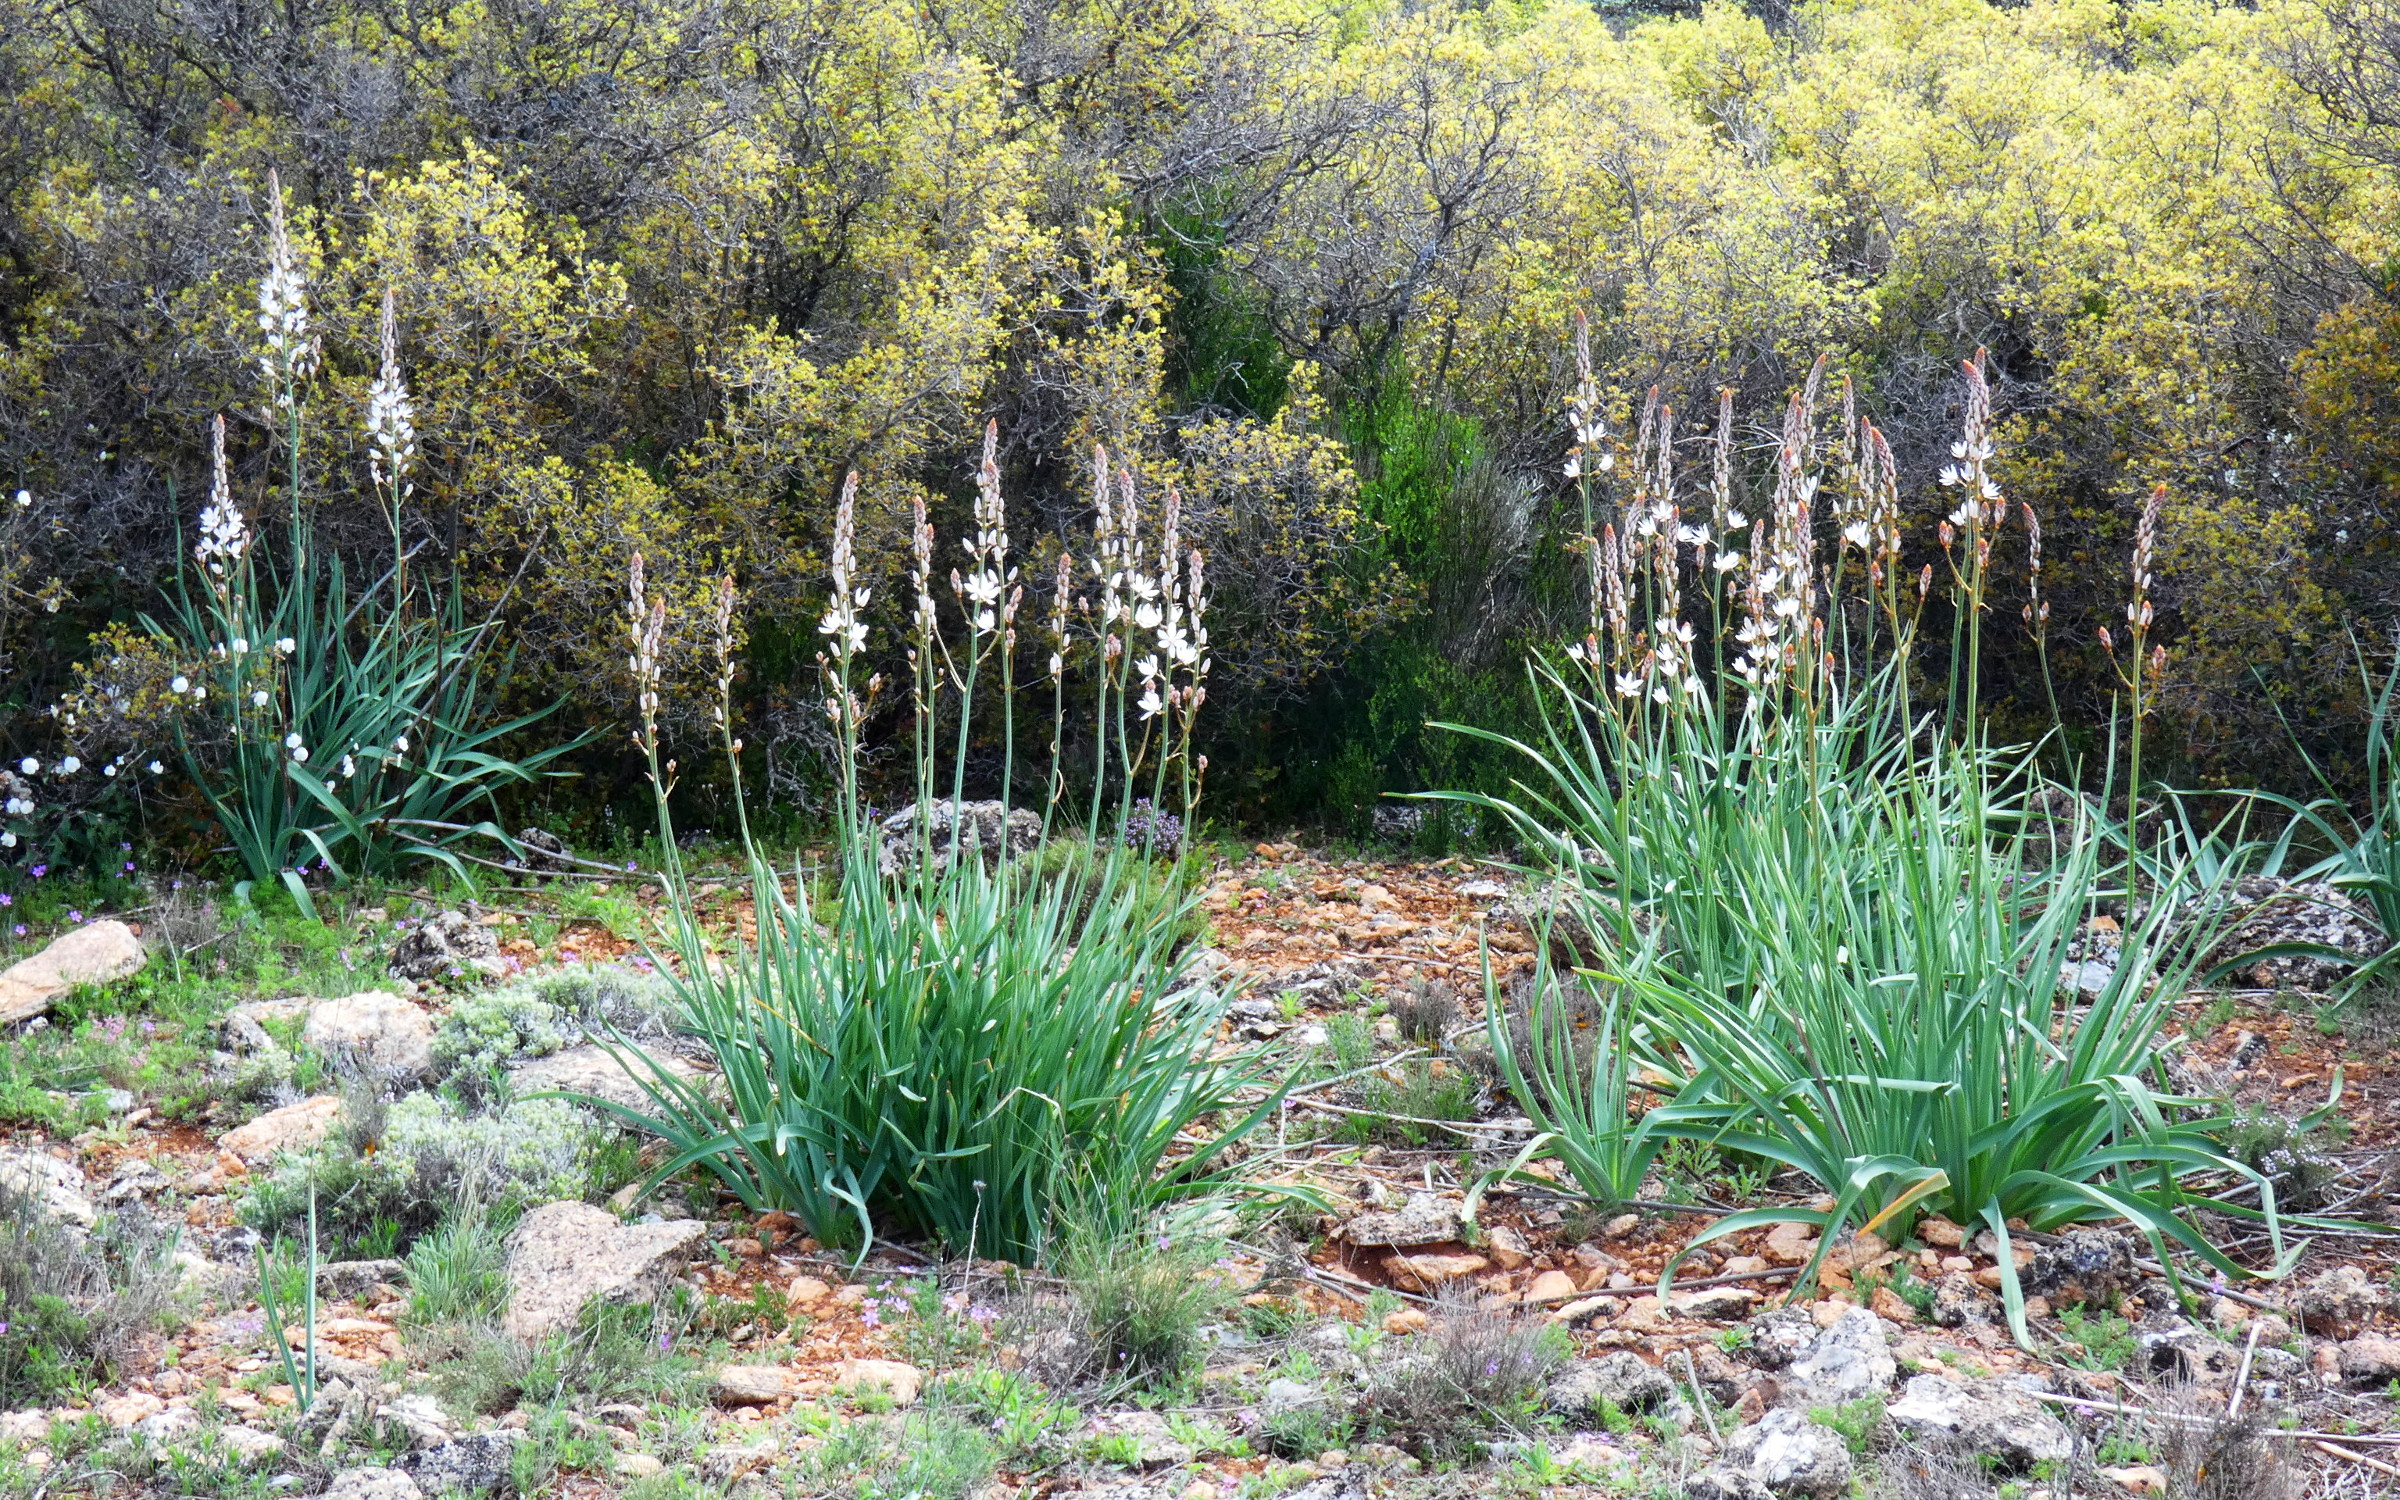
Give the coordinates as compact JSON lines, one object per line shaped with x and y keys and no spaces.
{"x":988,"y":1048}
{"x":1815,"y":928}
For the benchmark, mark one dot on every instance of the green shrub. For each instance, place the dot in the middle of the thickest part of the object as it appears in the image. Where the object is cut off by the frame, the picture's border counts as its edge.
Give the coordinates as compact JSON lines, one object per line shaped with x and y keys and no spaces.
{"x":1476,"y":1372}
{"x":1146,"y":1304}
{"x":72,"y":1305}
{"x":486,"y":1031}
{"x":409,"y":1163}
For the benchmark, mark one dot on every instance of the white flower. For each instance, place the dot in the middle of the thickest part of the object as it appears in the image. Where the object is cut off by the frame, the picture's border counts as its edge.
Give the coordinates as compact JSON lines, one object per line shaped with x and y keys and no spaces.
{"x":292,"y":741}
{"x":30,"y":766}
{"x":349,"y":768}
{"x":241,"y":644}
{"x":401,"y":744}
{"x":287,"y":645}
{"x":180,"y":685}
{"x":1726,"y":562}
{"x":300,"y":754}
{"x":259,"y":697}
{"x":199,"y":693}
{"x":8,"y":841}
{"x":156,"y":769}
{"x":290,"y":354}
{"x":69,"y":766}
{"x":1856,"y":534}
{"x":109,"y":770}
{"x":1149,"y":703}
{"x":24,"y":498}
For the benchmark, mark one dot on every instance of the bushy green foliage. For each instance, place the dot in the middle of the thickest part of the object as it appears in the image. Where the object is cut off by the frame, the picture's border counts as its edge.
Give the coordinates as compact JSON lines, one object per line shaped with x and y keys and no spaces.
{"x":486,"y":1030}
{"x":393,"y":1171}
{"x":1146,"y":1303}
{"x":72,"y":1305}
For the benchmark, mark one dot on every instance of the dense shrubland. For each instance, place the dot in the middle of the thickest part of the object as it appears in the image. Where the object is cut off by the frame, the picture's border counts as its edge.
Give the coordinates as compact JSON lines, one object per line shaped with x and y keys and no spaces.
{"x":661,"y":276}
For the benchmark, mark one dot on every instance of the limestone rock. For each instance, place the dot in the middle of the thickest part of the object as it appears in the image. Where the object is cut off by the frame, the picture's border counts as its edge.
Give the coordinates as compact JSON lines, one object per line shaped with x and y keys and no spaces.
{"x":2371,"y":1360}
{"x":2306,"y":912}
{"x":357,"y":1279}
{"x":2089,"y":1266}
{"x":753,"y":1385}
{"x":1791,"y":1455}
{"x":372,"y":1484}
{"x":2336,"y":1304}
{"x":1152,"y":1446}
{"x":899,"y":1381}
{"x":56,"y":1185}
{"x":129,"y":1409}
{"x":1779,"y":1337}
{"x":1987,"y":1419}
{"x":1848,"y":1360}
{"x":419,"y":1418}
{"x":94,"y":953}
{"x":592,"y":1069}
{"x":28,"y":1427}
{"x":249,"y":1444}
{"x":639,"y":1465}
{"x":469,"y":1465}
{"x":1721,"y":1483}
{"x":1428,"y":1271}
{"x":564,"y":1255}
{"x":287,"y":1129}
{"x":374,"y":1029}
{"x":1958,"y":1299}
{"x":933,"y":826}
{"x":1425,"y":1219}
{"x":170,"y":1425}
{"x":449,"y":945}
{"x":1623,"y":1380}
{"x":1791,"y":1244}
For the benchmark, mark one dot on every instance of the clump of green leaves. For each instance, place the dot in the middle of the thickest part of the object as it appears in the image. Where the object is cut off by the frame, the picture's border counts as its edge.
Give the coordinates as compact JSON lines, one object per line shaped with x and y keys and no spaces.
{"x":72,"y":1305}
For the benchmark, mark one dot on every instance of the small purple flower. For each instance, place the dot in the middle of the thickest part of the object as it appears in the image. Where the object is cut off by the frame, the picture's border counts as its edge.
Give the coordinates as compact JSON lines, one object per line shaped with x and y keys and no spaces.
{"x":19,"y":929}
{"x":149,"y":1028}
{"x":630,"y":867}
{"x":129,"y":867}
{"x":38,"y":871}
{"x":6,"y":899}
{"x":74,"y":916}
{"x":176,"y":884}
{"x":666,"y":1341}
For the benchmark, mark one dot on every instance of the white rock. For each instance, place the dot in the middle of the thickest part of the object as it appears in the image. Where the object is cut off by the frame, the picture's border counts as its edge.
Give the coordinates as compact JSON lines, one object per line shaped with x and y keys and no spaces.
{"x":249,"y":1443}
{"x":1792,"y":1455}
{"x":372,"y":1484}
{"x":591,"y":1069}
{"x":94,"y":953}
{"x":1483,"y":890}
{"x":639,"y":1465}
{"x":420,"y":1417}
{"x":169,"y":1425}
{"x":897,"y":1380}
{"x":24,"y":1426}
{"x":1848,"y":1360}
{"x":130,"y":1409}
{"x":376,"y":1029}
{"x":1988,"y":1418}
{"x":753,"y":1385}
{"x":58,"y":1185}
{"x":564,"y":1255}
{"x":286,"y":1129}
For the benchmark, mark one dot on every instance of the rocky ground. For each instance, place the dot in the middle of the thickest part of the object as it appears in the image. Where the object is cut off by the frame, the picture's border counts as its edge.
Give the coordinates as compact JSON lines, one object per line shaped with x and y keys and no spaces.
{"x":1392,"y":1347}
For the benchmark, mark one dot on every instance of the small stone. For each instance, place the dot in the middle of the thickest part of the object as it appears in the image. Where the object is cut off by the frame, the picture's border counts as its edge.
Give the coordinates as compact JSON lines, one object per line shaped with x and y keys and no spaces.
{"x":1721,"y":1483}
{"x":24,"y":1426}
{"x":806,"y":1292}
{"x":376,"y":1029}
{"x":1850,"y":1359}
{"x":562,"y":1256}
{"x":126,"y":1410}
{"x":2337,"y":1303}
{"x":1425,"y":1219}
{"x":1424,"y":1273}
{"x":95,"y":953}
{"x":2093,"y":1267}
{"x":1624,"y":1381}
{"x":1620,"y":1226}
{"x":1724,"y":1304}
{"x":753,"y":1385}
{"x":1582,"y":1308}
{"x":448,"y":945}
{"x":479,"y":1462}
{"x":419,"y":1418}
{"x":1888,"y":1304}
{"x":249,"y":1444}
{"x":372,"y":1484}
{"x":1508,"y":1248}
{"x":1746,"y":1265}
{"x":745,"y":1248}
{"x":1407,"y":1320}
{"x":1940,"y":1233}
{"x":2138,"y":1479}
{"x":615,"y":1075}
{"x":1790,"y":1244}
{"x":164,"y":1427}
{"x":899,"y":1381}
{"x":58,"y":1185}
{"x":1990,"y":1419}
{"x":1551,"y":1286}
{"x":639,"y":1465}
{"x":1792,"y":1455}
{"x":290,"y":1128}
